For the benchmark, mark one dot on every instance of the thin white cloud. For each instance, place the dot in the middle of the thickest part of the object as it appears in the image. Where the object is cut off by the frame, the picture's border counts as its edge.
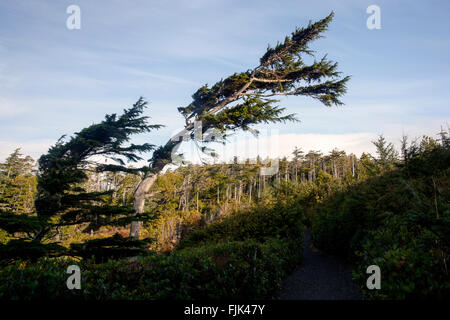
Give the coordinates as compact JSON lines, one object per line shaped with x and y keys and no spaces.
{"x":166,"y":78}
{"x":33,"y":148}
{"x":284,"y":144}
{"x":273,"y":145}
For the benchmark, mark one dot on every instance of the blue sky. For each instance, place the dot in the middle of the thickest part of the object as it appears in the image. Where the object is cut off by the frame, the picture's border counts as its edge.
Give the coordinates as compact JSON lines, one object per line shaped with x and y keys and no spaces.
{"x":55,"y":81}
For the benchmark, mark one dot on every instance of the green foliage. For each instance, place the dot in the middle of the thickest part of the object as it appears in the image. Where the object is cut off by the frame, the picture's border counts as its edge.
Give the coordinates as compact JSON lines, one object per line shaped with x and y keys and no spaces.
{"x":23,"y":223}
{"x":399,"y":221}
{"x":3,"y":237}
{"x":28,"y":250}
{"x":245,"y":99}
{"x":229,"y":270}
{"x":282,"y":220}
{"x":245,"y":263}
{"x":61,"y":198}
{"x":109,"y":248}
{"x":41,"y":280}
{"x":241,"y":116}
{"x":17,"y":183}
{"x":387,"y":156}
{"x":411,"y":259}
{"x":298,"y":42}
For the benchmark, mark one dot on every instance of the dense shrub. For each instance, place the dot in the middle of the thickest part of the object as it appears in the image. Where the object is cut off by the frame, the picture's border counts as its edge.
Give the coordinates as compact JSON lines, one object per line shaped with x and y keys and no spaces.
{"x":399,"y":221}
{"x":411,"y":262}
{"x":44,"y":279}
{"x":340,"y":222}
{"x":246,"y":256}
{"x":281,"y":220}
{"x":229,"y":270}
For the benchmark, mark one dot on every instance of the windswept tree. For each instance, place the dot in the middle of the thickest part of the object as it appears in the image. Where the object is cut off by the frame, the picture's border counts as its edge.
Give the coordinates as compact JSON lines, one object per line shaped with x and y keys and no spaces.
{"x":248,"y":98}
{"x":62,"y":201}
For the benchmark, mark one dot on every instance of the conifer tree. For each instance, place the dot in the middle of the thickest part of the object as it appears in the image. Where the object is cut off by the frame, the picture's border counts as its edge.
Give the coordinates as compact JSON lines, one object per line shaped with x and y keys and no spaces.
{"x":17,"y":183}
{"x":386,"y":154}
{"x":248,"y":98}
{"x":62,"y":201}
{"x":334,"y":156}
{"x":298,"y":156}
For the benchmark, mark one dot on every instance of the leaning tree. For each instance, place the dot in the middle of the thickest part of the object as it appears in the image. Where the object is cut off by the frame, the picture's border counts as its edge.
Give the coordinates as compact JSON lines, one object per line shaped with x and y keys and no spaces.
{"x":62,"y":201}
{"x":247,"y":98}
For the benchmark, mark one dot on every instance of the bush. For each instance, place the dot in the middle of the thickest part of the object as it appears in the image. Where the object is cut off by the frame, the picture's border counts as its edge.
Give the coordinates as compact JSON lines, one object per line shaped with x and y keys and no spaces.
{"x":281,"y":220}
{"x":229,"y":270}
{"x":399,"y":221}
{"x":410,"y":260}
{"x":246,"y":256}
{"x":46,"y":278}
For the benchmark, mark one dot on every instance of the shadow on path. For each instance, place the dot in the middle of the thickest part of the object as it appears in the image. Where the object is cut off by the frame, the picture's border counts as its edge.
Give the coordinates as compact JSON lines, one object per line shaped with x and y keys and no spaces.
{"x":319,"y":277}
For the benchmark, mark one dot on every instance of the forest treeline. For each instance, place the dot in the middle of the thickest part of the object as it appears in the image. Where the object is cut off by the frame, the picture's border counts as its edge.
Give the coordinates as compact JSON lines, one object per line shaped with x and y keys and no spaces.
{"x":390,"y":209}
{"x":195,"y":194}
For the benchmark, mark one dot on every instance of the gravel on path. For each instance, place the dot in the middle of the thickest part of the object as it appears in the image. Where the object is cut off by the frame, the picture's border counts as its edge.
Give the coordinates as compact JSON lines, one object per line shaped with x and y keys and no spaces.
{"x":319,"y":277}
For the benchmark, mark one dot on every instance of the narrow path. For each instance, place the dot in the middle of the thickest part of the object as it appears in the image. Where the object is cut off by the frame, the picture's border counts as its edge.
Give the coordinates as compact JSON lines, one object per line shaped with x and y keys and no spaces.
{"x":319,"y":277}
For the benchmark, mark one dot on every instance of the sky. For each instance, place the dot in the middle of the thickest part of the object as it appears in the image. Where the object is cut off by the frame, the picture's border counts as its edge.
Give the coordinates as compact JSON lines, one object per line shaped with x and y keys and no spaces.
{"x":55,"y":81}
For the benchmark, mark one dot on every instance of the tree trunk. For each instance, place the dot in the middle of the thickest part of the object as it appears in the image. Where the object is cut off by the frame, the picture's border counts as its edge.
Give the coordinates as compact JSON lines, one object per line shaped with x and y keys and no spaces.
{"x":197,"y":200}
{"x":139,"y":202}
{"x":353,"y":166}
{"x":218,"y":194}
{"x":259,"y":187}
{"x":240,"y":193}
{"x":334,"y":169}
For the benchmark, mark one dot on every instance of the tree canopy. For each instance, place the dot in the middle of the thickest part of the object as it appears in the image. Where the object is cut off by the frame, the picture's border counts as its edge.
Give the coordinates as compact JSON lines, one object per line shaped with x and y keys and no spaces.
{"x":247,"y":98}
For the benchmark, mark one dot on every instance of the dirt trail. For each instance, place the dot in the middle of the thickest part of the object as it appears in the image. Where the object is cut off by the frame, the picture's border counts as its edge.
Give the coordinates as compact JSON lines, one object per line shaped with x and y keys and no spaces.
{"x":319,"y":277}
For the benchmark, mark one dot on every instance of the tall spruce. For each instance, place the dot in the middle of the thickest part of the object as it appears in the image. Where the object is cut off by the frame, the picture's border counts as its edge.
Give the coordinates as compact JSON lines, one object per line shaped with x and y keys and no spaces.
{"x":17,"y":183}
{"x":387,"y":156}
